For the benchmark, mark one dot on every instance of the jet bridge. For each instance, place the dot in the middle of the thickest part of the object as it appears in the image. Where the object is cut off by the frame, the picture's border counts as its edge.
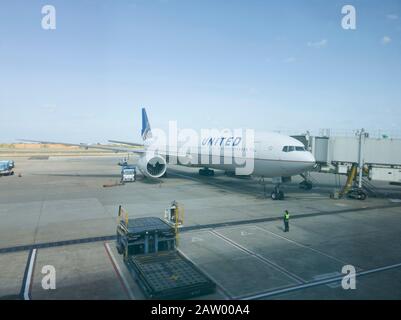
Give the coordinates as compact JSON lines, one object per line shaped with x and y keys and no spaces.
{"x":376,"y":158}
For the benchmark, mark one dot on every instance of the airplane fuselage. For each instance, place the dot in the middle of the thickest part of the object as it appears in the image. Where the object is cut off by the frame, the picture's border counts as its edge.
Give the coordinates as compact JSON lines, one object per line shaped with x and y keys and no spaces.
{"x":269,"y":155}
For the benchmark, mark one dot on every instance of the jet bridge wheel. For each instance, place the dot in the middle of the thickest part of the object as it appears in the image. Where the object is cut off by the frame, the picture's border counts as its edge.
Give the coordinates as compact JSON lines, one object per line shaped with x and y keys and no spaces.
{"x":357,"y":194}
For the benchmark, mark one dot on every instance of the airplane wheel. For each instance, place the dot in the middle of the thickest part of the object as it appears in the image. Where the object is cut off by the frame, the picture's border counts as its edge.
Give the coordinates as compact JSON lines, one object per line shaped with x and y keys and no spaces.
{"x":362,"y":196}
{"x":306,"y":185}
{"x":206,"y":172}
{"x":277,"y":195}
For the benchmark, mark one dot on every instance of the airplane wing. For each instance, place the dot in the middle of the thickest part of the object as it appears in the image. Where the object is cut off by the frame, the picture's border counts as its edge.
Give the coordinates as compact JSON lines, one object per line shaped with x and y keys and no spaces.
{"x":127,"y":143}
{"x":90,"y":146}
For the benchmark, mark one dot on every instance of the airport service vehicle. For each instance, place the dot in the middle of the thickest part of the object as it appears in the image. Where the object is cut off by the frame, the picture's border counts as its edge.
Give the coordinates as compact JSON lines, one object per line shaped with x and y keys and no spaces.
{"x":6,"y":167}
{"x":273,"y":155}
{"x":148,"y":246}
{"x":10,"y":163}
{"x":123,"y":162}
{"x":128,"y":174}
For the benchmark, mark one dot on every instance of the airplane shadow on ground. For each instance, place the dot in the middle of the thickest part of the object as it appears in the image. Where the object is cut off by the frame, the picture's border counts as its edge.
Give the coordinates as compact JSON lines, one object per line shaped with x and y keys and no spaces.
{"x":79,"y":175}
{"x":253,"y":186}
{"x":248,"y":185}
{"x":240,"y":185}
{"x":140,"y":178}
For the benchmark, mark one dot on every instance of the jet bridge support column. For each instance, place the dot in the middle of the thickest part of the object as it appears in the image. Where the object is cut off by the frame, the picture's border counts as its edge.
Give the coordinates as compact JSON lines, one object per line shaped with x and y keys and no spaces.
{"x":362,"y":135}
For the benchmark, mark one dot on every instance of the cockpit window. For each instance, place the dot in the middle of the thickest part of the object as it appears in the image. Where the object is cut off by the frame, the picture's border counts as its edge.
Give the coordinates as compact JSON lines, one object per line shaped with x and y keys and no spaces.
{"x":293,"y":148}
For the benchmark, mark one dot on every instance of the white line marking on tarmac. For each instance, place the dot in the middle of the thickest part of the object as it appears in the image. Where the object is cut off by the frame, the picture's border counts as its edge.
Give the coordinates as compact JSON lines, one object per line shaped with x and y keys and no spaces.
{"x":328,"y":276}
{"x":223,"y":291}
{"x":317,"y":283}
{"x":260,"y":257}
{"x":120,"y":275}
{"x":28,"y":281}
{"x":301,"y":245}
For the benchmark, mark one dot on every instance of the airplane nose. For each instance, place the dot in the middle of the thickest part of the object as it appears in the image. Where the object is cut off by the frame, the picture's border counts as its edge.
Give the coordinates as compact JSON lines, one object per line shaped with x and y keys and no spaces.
{"x":311,"y":160}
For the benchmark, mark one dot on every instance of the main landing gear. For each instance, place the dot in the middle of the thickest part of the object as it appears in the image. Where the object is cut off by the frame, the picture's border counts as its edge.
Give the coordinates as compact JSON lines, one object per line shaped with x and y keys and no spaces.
{"x":206,"y":172}
{"x":277,"y":194}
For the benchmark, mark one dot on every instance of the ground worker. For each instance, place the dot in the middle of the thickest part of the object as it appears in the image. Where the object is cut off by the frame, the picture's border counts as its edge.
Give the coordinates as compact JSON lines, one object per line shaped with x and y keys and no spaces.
{"x":173,"y":210}
{"x":286,"y":221}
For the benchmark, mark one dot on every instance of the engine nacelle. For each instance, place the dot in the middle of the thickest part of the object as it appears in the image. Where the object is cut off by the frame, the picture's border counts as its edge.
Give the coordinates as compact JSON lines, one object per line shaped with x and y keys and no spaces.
{"x":153,"y":167}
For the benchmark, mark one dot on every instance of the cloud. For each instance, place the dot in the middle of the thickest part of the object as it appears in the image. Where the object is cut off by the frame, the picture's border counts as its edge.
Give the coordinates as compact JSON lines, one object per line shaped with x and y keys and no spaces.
{"x":318,"y":44}
{"x":392,"y":16}
{"x":386,"y":40}
{"x":290,"y":60}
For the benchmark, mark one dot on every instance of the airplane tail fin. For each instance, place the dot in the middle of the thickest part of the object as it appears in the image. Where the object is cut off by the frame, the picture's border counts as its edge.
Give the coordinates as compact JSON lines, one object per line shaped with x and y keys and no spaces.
{"x":146,"y":132}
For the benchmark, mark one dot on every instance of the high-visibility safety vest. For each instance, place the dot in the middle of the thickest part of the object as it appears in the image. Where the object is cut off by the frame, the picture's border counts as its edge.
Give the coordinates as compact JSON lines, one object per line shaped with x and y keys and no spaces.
{"x":286,"y":216}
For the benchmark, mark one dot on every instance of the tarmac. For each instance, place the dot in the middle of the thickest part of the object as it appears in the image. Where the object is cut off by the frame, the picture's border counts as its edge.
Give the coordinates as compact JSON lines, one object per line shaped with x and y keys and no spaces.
{"x":62,"y":211}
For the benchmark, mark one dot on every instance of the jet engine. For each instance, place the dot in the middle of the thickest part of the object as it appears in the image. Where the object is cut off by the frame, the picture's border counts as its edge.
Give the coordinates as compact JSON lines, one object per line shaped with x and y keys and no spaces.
{"x":153,"y":167}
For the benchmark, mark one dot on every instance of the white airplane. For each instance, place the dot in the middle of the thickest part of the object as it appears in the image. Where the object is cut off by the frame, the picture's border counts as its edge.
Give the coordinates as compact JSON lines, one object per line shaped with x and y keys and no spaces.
{"x":274,"y":155}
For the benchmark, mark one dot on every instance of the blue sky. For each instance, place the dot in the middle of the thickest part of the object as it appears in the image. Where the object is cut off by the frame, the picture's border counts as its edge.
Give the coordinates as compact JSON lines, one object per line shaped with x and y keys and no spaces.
{"x":266,"y":65}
